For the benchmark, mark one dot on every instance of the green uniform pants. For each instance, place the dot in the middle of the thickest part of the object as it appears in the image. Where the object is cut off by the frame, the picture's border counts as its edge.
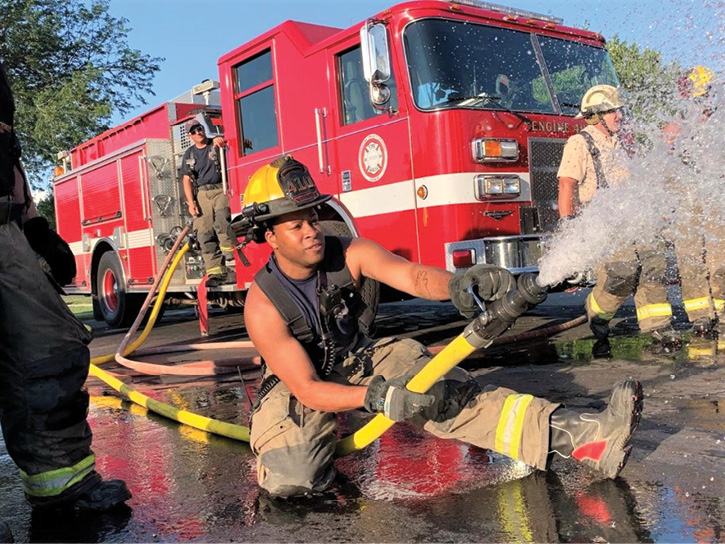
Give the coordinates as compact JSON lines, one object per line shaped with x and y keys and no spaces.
{"x":641,"y":272}
{"x":295,"y":445}
{"x":212,"y":228}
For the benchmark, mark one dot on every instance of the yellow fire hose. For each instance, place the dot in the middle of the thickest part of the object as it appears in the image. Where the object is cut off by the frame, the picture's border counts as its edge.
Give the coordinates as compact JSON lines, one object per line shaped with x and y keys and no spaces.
{"x":475,"y":336}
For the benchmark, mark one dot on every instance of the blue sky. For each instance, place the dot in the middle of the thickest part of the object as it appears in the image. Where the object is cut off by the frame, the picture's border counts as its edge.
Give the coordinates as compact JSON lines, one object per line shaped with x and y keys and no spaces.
{"x":192,"y":35}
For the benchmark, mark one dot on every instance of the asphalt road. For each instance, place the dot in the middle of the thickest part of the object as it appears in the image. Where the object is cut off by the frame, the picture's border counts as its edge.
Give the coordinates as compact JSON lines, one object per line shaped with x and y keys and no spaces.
{"x":192,"y":486}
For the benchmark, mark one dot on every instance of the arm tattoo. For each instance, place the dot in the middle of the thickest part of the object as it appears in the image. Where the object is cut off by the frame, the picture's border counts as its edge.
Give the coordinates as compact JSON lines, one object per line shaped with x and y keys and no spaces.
{"x":421,"y":283}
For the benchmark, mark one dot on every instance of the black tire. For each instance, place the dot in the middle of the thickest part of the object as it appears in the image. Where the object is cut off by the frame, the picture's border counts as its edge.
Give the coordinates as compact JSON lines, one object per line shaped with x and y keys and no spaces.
{"x":369,"y":289}
{"x":117,"y":307}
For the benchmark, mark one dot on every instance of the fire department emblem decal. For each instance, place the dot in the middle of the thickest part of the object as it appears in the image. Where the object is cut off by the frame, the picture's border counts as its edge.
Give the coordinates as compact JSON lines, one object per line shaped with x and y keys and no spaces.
{"x":373,"y":157}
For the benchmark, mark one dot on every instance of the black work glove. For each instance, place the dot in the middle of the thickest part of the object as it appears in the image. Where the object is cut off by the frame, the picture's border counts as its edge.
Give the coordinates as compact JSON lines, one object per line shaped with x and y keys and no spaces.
{"x":490,"y":282}
{"x":57,"y":253}
{"x":393,"y":400}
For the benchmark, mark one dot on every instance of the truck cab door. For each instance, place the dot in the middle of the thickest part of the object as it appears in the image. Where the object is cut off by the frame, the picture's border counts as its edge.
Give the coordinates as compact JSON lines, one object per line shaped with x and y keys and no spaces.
{"x":373,"y":154}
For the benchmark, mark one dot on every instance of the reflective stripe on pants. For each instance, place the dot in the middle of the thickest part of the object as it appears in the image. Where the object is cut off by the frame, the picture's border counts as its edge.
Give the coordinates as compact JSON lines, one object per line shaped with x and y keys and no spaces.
{"x":54,"y":482}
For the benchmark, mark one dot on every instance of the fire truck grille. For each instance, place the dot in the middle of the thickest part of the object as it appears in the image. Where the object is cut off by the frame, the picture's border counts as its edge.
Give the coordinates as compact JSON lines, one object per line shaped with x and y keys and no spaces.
{"x":544,"y":158}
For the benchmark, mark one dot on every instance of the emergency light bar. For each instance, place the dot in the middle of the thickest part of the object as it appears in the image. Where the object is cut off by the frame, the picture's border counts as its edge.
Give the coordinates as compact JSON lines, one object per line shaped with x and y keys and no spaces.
{"x":509,"y":11}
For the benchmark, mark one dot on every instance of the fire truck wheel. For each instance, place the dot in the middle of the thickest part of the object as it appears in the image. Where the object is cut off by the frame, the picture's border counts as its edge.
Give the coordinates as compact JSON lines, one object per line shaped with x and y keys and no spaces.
{"x":370,"y":289}
{"x":117,"y":307}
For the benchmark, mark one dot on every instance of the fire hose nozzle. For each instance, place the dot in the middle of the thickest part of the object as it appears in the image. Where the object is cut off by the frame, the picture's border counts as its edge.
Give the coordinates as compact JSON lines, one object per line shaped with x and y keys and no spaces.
{"x":502,"y":313}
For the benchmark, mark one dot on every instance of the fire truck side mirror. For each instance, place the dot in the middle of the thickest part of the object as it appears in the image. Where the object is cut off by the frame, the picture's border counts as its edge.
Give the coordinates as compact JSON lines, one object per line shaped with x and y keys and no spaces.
{"x":375,"y":52}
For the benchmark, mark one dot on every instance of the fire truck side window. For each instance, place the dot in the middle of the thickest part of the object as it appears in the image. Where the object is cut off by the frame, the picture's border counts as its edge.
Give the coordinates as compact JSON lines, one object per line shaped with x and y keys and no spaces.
{"x":254,"y":94}
{"x":574,"y":68}
{"x":356,"y":105}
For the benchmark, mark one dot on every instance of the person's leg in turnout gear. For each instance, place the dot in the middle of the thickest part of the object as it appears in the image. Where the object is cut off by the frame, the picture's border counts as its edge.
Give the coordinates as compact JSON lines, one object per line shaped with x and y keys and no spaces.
{"x":222,"y":220}
{"x":210,"y":250}
{"x":616,"y":280}
{"x":44,"y":363}
{"x":517,"y":425}
{"x":600,"y":440}
{"x":654,"y":312}
{"x":694,"y":282}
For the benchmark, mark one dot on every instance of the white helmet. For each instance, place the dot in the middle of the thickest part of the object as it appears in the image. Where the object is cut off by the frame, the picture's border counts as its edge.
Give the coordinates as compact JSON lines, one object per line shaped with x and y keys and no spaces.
{"x":599,"y":99}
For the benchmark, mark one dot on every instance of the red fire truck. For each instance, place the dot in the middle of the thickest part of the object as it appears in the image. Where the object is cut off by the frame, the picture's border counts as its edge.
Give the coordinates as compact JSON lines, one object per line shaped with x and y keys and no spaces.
{"x":437,"y":125}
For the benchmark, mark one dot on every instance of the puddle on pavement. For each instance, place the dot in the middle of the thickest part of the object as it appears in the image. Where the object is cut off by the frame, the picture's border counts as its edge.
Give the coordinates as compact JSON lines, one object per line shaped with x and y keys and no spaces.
{"x":408,"y":486}
{"x":696,"y":350}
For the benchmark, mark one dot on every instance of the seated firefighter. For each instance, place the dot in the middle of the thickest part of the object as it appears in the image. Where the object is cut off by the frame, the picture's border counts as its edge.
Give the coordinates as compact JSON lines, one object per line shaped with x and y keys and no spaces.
{"x":306,"y":318}
{"x":208,"y":203}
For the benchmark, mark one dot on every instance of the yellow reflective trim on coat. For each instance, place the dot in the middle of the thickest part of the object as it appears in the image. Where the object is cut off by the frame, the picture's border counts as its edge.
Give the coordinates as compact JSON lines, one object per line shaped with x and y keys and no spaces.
{"x":511,"y":423}
{"x":54,"y":482}
{"x":692,"y":304}
{"x":606,"y":316}
{"x":649,"y":311}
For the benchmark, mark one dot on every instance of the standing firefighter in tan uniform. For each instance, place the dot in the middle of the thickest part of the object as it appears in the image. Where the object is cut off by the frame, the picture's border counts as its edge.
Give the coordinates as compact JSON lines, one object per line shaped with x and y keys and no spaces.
{"x":208,"y":203}
{"x":699,"y":244}
{"x":307,"y":319}
{"x":44,"y":359}
{"x":593,"y":159}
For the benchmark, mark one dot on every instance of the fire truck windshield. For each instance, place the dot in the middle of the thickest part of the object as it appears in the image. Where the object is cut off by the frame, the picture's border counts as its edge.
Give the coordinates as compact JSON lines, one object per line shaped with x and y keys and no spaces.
{"x":453,"y":64}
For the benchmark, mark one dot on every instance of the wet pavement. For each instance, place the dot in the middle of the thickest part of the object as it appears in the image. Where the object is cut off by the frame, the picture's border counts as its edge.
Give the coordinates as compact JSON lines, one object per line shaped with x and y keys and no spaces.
{"x":189,"y":485}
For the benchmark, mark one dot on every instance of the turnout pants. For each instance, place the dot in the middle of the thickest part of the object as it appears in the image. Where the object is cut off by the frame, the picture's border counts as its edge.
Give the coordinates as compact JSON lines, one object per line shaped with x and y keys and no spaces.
{"x":43,"y":366}
{"x":641,"y":272}
{"x":295,"y":445}
{"x":701,"y":263}
{"x":212,"y":228}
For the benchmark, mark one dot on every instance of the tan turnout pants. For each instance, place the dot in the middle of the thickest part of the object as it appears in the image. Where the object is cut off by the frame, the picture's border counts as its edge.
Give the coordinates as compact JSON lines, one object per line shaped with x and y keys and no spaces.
{"x":212,"y":228}
{"x":701,"y":262}
{"x":641,"y":272}
{"x":294,"y":445}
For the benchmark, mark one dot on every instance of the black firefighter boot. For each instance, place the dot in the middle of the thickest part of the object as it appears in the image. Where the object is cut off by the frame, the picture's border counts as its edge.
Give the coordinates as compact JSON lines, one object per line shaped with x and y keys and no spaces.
{"x":601,"y":348}
{"x":92,"y":493}
{"x":667,"y":339}
{"x":600,"y":440}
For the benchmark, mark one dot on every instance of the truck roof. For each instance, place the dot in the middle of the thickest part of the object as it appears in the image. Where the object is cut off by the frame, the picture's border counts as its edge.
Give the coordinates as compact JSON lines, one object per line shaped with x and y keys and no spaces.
{"x":308,"y":37}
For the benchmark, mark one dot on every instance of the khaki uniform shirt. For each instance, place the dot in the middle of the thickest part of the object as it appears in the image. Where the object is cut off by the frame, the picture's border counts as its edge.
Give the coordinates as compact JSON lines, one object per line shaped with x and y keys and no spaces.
{"x":577,"y":162}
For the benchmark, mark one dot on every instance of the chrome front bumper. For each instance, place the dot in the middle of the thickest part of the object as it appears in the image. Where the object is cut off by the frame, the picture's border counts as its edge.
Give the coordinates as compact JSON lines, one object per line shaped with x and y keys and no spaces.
{"x":518,"y":254}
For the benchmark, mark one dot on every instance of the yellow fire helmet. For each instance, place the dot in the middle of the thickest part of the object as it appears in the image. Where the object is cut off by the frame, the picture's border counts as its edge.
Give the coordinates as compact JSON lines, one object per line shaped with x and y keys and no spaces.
{"x":599,"y":99}
{"x":699,"y":80}
{"x":283,"y":186}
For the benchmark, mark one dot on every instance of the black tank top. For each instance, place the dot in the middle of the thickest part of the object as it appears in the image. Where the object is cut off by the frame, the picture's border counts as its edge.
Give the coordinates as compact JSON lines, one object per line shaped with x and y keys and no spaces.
{"x":342,"y":325}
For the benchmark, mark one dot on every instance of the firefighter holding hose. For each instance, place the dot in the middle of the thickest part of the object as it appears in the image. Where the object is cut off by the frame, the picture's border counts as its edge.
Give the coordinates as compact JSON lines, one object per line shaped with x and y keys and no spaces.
{"x":308,"y":321}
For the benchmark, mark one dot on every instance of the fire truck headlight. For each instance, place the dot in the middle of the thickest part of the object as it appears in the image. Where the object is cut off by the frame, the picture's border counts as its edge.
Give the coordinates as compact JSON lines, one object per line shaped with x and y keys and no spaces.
{"x":491,"y":187}
{"x":488,"y":150}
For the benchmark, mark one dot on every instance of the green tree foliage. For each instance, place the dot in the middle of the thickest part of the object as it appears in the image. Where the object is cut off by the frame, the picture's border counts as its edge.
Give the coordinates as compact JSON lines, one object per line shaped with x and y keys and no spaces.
{"x":650,"y":84}
{"x":70,"y":67}
{"x":46,"y":208}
